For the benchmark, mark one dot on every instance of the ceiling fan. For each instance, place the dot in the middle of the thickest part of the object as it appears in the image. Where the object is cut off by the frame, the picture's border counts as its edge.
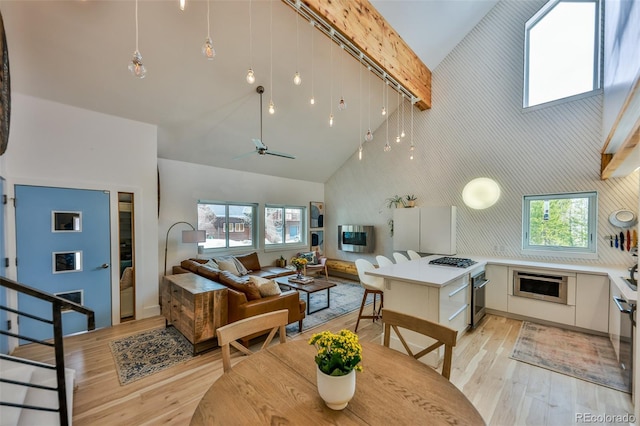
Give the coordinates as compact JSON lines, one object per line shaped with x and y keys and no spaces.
{"x":261,"y":148}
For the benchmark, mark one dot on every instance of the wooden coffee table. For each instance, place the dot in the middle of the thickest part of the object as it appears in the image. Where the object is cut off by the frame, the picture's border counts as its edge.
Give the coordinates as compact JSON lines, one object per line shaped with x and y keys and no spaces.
{"x":313,"y":287}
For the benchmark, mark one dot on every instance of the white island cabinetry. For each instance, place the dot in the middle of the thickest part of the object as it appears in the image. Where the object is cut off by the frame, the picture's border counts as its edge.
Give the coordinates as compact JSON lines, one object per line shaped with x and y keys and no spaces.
{"x":592,"y":302}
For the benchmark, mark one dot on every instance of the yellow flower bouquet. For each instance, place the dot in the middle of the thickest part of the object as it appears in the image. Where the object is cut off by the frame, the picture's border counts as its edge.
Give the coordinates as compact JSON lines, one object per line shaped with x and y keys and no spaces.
{"x":299,"y":263}
{"x":338,"y":354}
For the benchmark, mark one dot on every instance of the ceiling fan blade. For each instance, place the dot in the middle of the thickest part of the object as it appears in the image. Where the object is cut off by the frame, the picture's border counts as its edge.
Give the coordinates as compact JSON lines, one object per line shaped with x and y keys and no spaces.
{"x":280,"y":154}
{"x":258,"y":143}
{"x":245,"y":155}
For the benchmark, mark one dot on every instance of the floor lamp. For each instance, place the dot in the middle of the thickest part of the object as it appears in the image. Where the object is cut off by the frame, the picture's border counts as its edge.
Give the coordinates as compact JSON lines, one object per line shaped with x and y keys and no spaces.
{"x":193,"y":236}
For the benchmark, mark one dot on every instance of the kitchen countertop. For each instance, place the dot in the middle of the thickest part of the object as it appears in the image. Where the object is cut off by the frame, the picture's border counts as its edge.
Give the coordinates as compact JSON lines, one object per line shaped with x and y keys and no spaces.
{"x":422,"y":273}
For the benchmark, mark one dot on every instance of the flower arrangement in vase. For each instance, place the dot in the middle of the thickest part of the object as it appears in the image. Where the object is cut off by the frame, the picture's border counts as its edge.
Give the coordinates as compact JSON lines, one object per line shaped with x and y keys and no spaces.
{"x":338,"y":358}
{"x":299,"y":263}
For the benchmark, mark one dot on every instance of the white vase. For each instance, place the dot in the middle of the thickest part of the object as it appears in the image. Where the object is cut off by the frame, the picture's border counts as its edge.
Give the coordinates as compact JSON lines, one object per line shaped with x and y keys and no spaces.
{"x":336,"y":391}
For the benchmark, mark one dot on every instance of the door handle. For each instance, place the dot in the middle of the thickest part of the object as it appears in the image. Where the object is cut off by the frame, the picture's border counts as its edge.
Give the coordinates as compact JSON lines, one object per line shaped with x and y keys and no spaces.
{"x":105,"y":266}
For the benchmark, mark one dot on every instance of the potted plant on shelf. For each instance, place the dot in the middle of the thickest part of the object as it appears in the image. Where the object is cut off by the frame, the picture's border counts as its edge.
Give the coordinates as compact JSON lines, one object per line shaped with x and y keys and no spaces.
{"x":338,"y":358}
{"x":281,"y":262}
{"x":411,"y":200}
{"x":395,"y":201}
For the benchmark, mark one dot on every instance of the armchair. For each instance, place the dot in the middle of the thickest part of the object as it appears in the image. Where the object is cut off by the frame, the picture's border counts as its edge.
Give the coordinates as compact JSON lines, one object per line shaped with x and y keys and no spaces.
{"x":320,"y":263}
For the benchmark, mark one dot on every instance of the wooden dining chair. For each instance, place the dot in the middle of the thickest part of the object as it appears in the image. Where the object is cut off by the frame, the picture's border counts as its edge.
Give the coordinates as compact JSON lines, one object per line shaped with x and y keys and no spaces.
{"x":230,"y":333}
{"x":442,"y":334}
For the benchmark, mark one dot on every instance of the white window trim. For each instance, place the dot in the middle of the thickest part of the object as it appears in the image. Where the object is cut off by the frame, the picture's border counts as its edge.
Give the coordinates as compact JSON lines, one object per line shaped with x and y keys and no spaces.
{"x":591,"y":252}
{"x":597,"y":57}
{"x":232,"y":250}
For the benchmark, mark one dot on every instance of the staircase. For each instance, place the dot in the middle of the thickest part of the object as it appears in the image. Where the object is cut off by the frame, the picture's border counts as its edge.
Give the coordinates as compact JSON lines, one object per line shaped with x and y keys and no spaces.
{"x":31,"y":384}
{"x":34,"y":393}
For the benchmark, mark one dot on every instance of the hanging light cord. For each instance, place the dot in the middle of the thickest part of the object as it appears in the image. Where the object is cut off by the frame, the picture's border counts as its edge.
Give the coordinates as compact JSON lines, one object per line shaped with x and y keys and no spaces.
{"x":331,"y":78}
{"x":136,"y":25}
{"x":271,"y":46}
{"x":312,"y":58}
{"x":208,"y":22}
{"x":250,"y":39}
{"x":297,"y":43}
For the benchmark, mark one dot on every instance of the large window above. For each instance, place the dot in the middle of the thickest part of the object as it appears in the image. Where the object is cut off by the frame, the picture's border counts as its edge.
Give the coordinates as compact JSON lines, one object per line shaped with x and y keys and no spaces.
{"x":285,"y":226}
{"x":562,"y":51}
{"x":227,"y":225}
{"x":560,"y":223}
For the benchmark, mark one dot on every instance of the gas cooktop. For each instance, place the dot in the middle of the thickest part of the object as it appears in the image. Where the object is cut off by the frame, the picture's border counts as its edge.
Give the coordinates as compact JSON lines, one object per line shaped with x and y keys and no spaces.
{"x":456,"y":262}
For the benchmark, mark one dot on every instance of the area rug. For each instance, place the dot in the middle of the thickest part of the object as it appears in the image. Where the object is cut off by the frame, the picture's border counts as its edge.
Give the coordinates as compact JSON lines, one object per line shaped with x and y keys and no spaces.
{"x":146,"y":353}
{"x":580,"y":355}
{"x":346,"y":297}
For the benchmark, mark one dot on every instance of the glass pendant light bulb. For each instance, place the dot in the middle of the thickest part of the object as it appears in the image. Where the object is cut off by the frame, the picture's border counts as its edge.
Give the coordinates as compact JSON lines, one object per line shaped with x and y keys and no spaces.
{"x":402,"y":135}
{"x":342,"y":105}
{"x":136,"y":66}
{"x":182,"y":4}
{"x":312,"y":101}
{"x":397,"y":139}
{"x":297,"y":80}
{"x":360,"y":153}
{"x":272,"y":108}
{"x":330,"y":120}
{"x":387,"y":147}
{"x":384,"y":111}
{"x":411,"y":152}
{"x":368,"y":136}
{"x":207,"y":49}
{"x":251,"y":77}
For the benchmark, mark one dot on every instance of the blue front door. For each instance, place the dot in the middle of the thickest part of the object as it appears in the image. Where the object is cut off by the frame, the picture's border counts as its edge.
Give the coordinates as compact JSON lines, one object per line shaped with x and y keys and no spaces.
{"x":63,"y":248}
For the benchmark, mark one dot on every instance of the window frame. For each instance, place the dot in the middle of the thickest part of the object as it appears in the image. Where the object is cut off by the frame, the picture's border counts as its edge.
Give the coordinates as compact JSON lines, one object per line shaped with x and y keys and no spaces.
{"x":304,"y":228}
{"x":597,"y":57}
{"x":589,"y":252}
{"x":228,"y":228}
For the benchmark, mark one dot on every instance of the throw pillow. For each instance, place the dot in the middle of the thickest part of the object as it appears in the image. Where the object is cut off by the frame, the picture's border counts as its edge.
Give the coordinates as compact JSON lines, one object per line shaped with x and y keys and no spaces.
{"x":242,"y":285}
{"x":240,"y":270}
{"x":212,"y":263}
{"x":266,"y":287}
{"x":310,"y":256}
{"x":229,"y":266}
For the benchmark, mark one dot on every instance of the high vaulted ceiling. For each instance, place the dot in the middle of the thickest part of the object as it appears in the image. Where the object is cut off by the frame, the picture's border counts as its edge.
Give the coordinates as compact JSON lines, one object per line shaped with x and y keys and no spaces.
{"x":77,"y":52}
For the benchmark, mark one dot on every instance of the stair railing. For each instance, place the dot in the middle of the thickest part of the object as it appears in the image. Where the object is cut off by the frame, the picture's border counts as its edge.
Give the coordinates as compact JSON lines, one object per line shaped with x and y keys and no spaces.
{"x":58,"y":304}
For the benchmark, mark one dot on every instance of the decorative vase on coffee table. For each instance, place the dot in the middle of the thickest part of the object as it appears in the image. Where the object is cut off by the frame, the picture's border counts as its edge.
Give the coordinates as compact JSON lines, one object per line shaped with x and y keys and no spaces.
{"x":299,"y":273}
{"x":336,"y":391}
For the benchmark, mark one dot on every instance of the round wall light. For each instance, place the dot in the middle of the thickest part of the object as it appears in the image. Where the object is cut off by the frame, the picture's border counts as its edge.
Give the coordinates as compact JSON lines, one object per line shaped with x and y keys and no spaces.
{"x":481,"y":193}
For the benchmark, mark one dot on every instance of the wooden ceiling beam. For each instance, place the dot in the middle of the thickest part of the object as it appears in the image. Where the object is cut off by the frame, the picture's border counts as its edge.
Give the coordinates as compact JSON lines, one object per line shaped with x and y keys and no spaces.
{"x":610,"y":162}
{"x":366,"y":28}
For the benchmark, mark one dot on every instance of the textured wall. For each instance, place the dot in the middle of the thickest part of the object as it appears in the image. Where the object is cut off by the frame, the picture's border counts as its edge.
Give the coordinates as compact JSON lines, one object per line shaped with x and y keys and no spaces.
{"x":477,"y":127}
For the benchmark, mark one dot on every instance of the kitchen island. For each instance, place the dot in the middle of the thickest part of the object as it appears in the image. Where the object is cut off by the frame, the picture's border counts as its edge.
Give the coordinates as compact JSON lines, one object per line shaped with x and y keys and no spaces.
{"x":436,"y":293}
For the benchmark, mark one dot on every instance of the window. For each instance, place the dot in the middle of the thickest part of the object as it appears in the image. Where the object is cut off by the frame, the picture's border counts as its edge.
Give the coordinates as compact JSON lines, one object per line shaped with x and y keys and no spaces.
{"x":216,"y":218}
{"x":285,"y":225}
{"x":560,"y":223}
{"x":562,"y":51}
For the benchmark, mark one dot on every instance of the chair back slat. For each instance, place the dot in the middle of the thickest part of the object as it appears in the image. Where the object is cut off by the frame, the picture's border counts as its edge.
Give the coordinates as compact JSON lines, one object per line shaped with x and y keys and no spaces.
{"x":442,"y":334}
{"x":230,"y":333}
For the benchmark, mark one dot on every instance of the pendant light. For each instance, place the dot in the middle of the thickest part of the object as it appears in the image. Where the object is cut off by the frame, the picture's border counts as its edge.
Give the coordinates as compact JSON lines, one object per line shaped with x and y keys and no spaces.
{"x":272,"y":107}
{"x":387,"y":147}
{"x":412,"y":147}
{"x":297,"y":79}
{"x":384,"y":109}
{"x":136,"y":67}
{"x":207,"y":48}
{"x":342,"y":105}
{"x":402,"y":133}
{"x":369,"y":135}
{"x":398,"y":116}
{"x":251,"y":77}
{"x":360,"y":110}
{"x":331,"y":85}
{"x":183,"y":3}
{"x":312,"y":100}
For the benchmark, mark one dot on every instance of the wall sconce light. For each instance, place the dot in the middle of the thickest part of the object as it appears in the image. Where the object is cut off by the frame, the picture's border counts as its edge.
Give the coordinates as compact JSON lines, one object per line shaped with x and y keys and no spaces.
{"x":188,"y":237}
{"x":481,"y":193}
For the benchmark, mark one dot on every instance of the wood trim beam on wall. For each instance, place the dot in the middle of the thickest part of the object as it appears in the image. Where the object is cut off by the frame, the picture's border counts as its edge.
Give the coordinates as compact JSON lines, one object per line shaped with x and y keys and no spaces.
{"x":367,"y":29}
{"x":610,"y":163}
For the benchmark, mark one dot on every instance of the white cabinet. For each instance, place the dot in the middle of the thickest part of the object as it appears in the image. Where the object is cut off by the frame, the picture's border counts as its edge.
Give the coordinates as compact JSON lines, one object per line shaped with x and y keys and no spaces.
{"x":425,"y":229}
{"x":498,"y":287}
{"x":406,"y":229}
{"x":592,"y":302}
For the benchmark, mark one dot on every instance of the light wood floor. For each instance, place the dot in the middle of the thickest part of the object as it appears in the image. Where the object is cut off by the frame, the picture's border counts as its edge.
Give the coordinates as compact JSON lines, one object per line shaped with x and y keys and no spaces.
{"x":505,"y":391}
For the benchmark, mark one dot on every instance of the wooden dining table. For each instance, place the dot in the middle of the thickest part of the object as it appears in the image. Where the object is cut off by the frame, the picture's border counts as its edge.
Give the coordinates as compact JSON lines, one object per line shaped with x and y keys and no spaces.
{"x":278,"y":386}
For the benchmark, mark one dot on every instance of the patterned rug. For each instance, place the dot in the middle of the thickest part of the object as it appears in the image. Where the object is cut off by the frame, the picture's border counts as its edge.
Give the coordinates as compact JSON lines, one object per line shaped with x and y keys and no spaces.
{"x":346,"y":297}
{"x":580,"y":355}
{"x":146,"y":353}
